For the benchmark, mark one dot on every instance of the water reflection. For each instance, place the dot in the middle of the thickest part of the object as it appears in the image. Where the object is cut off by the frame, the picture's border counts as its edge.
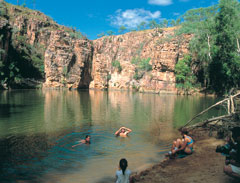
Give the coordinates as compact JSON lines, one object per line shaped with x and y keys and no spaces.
{"x":38,"y":129}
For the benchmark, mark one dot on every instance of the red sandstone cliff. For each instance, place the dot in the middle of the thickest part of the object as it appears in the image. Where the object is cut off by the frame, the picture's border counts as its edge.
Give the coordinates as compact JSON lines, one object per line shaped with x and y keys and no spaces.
{"x":61,"y":55}
{"x":67,"y":61}
{"x":159,"y":46}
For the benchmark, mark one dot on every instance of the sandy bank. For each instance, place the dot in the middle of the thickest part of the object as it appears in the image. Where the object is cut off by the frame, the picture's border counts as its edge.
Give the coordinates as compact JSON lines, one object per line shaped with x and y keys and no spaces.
{"x":204,"y":165}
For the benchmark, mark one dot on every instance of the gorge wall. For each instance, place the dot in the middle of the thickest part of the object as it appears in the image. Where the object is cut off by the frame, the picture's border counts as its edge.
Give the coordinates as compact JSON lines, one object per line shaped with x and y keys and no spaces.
{"x":158,"y":46}
{"x":139,"y":60}
{"x":42,"y":51}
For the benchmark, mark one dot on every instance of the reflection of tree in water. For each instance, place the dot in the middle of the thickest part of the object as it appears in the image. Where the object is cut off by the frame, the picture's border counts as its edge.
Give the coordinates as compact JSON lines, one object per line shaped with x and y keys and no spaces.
{"x":6,"y":109}
{"x":187,"y":107}
{"x":67,"y":108}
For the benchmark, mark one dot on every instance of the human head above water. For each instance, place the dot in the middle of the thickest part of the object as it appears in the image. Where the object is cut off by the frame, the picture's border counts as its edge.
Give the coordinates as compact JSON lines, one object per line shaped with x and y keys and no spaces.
{"x":87,"y":138}
{"x":123,"y":165}
{"x":122,"y":130}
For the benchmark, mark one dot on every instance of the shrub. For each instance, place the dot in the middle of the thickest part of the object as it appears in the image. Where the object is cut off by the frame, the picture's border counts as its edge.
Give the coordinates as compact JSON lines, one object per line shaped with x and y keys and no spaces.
{"x":3,"y":11}
{"x":142,"y":65}
{"x":77,"y":35}
{"x":116,"y":64}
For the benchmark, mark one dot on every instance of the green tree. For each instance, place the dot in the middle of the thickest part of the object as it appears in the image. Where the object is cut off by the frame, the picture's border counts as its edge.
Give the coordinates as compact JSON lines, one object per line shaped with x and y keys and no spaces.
{"x":142,"y":66}
{"x":173,"y":23}
{"x":178,"y":21}
{"x":153,"y":24}
{"x":116,"y":64}
{"x":165,"y":23}
{"x":185,"y":79}
{"x":101,"y":35}
{"x":225,"y":65}
{"x":122,"y":29}
{"x":200,"y":22}
{"x":110,"y":32}
{"x":3,"y":10}
{"x":142,"y":26}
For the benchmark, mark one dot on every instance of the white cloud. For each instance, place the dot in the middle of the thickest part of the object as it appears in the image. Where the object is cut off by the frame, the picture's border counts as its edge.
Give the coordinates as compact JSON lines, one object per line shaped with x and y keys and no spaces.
{"x":131,"y":18}
{"x":160,"y":2}
{"x":176,"y":14}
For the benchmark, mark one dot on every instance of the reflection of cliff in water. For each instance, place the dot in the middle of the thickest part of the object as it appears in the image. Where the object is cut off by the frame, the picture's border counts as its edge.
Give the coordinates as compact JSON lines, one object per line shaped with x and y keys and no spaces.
{"x":66,"y":109}
{"x":154,"y":112}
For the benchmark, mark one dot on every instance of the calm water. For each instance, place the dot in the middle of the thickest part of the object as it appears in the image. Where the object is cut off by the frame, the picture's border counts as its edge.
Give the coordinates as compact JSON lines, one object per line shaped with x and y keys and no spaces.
{"x":38,"y":129}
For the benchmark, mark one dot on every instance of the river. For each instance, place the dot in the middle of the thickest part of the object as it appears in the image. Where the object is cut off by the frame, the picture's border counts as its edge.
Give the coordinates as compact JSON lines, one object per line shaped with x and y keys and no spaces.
{"x":38,"y":129}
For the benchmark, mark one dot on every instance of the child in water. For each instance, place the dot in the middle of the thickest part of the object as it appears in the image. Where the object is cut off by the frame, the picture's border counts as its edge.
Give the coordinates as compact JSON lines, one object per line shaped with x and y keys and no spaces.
{"x":123,"y":174}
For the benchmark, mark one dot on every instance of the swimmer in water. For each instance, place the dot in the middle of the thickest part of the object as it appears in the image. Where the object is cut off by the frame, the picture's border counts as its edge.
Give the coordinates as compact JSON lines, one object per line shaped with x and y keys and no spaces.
{"x":84,"y":141}
{"x":123,"y":132}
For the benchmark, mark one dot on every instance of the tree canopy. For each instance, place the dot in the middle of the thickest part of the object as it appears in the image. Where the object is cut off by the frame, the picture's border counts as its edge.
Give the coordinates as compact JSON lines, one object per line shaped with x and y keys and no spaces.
{"x":215,"y":45}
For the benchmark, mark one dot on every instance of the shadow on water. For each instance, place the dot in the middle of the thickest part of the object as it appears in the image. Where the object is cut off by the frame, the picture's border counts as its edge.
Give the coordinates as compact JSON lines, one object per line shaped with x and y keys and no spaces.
{"x":29,"y":157}
{"x":18,"y":152}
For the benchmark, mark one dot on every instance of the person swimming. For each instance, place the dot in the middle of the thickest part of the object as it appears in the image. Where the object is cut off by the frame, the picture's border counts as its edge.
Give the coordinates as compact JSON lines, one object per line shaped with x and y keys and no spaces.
{"x":84,"y":141}
{"x":123,"y":132}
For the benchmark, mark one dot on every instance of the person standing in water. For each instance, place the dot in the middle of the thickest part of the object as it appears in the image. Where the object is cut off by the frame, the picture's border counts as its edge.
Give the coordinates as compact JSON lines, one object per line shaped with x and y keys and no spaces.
{"x":123,"y":132}
{"x":84,"y":141}
{"x":123,"y":174}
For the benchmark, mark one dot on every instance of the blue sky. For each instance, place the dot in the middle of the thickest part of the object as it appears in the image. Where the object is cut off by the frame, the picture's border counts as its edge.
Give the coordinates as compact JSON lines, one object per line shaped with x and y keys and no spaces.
{"x":93,"y":17}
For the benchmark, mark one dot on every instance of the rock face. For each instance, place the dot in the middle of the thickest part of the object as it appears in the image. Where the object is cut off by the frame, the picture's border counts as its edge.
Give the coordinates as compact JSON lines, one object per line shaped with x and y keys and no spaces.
{"x":5,"y":32}
{"x":67,"y":62}
{"x":60,"y":55}
{"x":141,"y":60}
{"x":34,"y":25}
{"x":158,"y":46}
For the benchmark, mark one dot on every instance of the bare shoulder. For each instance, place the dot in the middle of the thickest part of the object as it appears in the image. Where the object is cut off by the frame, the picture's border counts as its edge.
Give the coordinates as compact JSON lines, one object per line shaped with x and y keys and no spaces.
{"x":83,"y":141}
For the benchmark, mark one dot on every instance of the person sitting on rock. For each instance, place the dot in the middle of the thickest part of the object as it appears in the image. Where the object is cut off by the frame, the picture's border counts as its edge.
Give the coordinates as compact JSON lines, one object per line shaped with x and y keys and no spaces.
{"x":184,"y":145}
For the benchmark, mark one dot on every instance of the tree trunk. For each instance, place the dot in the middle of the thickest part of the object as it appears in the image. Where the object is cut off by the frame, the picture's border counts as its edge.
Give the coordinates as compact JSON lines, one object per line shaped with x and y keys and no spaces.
{"x":209,"y":47}
{"x":238,"y":49}
{"x":231,"y":108}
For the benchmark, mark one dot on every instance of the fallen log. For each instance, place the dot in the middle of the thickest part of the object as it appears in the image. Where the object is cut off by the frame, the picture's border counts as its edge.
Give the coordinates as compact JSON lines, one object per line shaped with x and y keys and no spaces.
{"x":231,"y":109}
{"x":210,"y":120}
